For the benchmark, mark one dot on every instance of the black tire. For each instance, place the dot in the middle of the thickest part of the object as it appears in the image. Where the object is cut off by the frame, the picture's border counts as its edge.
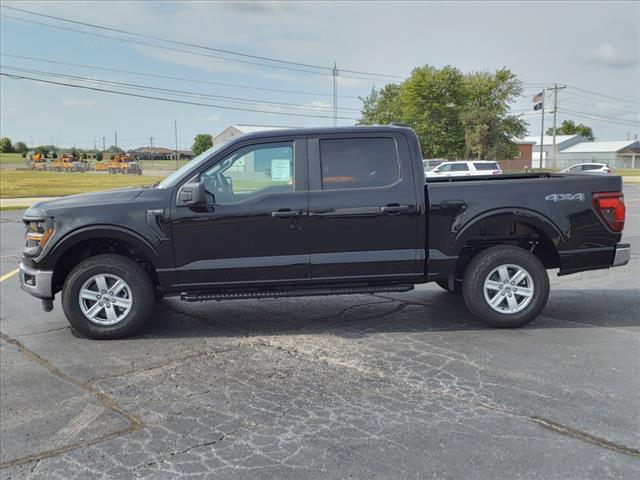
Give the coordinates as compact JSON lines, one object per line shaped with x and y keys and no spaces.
{"x":444,"y":284}
{"x":137,"y":280}
{"x":479,"y":270}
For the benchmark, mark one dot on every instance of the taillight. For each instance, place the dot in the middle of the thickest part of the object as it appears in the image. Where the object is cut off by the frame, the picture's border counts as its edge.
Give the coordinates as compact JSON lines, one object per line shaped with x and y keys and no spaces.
{"x":610,"y":207}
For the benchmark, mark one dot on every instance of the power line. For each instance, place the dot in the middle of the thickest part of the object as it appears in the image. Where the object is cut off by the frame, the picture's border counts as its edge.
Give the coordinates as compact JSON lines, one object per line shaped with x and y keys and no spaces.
{"x":171,"y":100}
{"x":169,"y":77}
{"x":193,"y":45}
{"x":176,"y":92}
{"x":126,"y":40}
{"x":163,"y":47}
{"x":623,"y":109}
{"x":599,"y":118}
{"x":603,"y":100}
{"x":625,"y":100}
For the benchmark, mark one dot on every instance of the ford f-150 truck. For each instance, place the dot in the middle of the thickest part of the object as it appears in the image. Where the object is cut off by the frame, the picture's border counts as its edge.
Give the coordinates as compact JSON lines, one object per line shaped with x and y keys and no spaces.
{"x":318,"y":212}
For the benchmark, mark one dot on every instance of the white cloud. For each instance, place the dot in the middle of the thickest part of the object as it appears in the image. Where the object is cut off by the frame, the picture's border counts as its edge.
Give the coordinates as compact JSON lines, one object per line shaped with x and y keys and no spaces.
{"x":319,"y":105}
{"x":78,"y":103}
{"x":611,"y":56}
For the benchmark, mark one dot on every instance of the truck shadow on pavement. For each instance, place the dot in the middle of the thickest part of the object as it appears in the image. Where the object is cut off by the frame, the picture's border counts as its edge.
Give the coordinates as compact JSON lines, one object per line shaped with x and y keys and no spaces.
{"x":364,"y":315}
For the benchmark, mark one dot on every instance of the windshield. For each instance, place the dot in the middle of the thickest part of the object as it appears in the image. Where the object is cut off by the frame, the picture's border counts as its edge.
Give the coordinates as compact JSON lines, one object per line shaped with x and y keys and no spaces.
{"x":190,"y":166}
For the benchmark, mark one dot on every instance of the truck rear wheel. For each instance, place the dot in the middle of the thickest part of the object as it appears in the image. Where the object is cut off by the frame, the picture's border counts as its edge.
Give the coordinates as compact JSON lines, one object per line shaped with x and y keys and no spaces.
{"x":108,"y":296}
{"x":505,"y":286}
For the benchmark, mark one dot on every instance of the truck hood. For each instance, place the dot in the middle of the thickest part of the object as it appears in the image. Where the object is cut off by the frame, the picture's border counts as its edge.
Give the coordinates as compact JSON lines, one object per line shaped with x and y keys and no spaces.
{"x":108,"y":197}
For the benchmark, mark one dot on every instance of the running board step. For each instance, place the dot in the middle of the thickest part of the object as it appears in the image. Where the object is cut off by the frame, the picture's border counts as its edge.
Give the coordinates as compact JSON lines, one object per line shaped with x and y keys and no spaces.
{"x":243,"y":295}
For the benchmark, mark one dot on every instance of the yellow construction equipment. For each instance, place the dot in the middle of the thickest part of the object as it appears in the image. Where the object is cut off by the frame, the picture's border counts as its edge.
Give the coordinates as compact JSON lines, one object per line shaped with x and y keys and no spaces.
{"x":121,"y":163}
{"x":63,"y":164}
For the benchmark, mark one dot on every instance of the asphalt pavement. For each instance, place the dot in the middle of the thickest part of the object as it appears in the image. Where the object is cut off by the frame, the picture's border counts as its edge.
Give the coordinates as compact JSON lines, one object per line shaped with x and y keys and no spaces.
{"x":369,"y":386}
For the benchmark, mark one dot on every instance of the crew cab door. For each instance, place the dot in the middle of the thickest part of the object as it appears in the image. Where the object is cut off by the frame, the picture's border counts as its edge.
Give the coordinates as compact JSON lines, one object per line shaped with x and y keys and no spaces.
{"x":249,"y":232}
{"x":363,"y":219}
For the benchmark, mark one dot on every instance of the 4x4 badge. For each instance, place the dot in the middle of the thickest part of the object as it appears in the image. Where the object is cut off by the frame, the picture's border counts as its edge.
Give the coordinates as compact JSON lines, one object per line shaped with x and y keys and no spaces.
{"x":565,"y":197}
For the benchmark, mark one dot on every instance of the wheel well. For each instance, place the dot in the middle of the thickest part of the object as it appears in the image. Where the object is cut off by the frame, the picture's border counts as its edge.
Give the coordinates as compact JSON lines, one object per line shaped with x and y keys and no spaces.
{"x":95,"y":246}
{"x":520,"y":235}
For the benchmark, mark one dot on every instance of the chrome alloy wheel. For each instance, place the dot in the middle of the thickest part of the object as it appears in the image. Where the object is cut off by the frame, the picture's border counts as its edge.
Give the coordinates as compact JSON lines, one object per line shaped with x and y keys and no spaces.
{"x":105,"y":299}
{"x":508,"y":289}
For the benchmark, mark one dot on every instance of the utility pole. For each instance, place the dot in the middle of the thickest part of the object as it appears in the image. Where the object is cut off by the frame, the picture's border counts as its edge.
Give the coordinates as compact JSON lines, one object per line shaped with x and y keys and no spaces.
{"x":555,"y":111}
{"x":150,"y":146}
{"x":116,"y":138}
{"x":175,"y":129}
{"x":335,"y":94}
{"x":104,"y":148}
{"x":542,"y":129}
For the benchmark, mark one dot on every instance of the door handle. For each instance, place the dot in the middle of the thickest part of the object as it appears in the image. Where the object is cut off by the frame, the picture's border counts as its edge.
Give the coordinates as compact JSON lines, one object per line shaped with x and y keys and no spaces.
{"x":396,"y":208}
{"x":286,"y":213}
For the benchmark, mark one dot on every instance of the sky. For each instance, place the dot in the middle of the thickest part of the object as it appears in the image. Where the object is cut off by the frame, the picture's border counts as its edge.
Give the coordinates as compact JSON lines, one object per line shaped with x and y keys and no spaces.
{"x":593,"y":47}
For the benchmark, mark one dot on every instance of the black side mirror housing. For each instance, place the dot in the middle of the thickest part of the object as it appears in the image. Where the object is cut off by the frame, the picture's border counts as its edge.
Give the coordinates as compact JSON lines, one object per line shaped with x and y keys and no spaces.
{"x":193,"y":194}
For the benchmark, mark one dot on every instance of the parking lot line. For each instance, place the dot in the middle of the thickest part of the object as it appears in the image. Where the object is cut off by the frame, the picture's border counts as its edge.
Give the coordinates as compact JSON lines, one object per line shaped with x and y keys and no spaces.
{"x":8,"y":275}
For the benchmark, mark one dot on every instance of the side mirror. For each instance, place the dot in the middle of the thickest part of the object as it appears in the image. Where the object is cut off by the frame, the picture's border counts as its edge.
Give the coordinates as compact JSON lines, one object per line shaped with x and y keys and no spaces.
{"x":193,"y":194}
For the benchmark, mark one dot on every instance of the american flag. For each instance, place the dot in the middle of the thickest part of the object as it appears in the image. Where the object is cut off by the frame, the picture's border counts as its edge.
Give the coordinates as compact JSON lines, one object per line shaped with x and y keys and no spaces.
{"x":538,"y":98}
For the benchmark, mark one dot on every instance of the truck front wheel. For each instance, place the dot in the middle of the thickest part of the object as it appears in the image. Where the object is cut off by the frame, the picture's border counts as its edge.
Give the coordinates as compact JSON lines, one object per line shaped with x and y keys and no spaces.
{"x":505,"y":286}
{"x":108,"y":296}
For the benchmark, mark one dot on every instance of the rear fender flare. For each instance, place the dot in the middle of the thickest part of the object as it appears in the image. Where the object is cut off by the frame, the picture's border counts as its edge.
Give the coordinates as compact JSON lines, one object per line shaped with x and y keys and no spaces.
{"x":507,"y":216}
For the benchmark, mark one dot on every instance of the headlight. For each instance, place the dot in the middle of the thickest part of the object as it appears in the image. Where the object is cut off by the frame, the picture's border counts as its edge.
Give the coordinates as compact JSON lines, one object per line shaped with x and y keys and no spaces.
{"x":38,"y":234}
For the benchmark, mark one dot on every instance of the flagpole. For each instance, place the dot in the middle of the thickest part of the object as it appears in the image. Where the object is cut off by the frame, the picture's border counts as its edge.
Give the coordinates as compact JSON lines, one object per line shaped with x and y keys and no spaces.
{"x":542,"y":129}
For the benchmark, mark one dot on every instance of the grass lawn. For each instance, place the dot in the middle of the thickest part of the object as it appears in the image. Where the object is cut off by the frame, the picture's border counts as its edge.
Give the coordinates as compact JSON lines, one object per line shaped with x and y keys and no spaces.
{"x":14,"y":184}
{"x":169,"y":165}
{"x":12,"y":159}
{"x":629,"y":172}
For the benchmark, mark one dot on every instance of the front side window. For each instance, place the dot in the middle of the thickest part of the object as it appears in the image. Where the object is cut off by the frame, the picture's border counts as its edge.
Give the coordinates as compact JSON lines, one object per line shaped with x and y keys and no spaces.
{"x":251,"y":171}
{"x":358,"y":163}
{"x":459,"y":167}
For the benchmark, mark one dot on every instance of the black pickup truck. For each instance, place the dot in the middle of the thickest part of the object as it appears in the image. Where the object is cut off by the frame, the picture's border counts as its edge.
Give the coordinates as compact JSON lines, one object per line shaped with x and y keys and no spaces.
{"x":318,"y":212}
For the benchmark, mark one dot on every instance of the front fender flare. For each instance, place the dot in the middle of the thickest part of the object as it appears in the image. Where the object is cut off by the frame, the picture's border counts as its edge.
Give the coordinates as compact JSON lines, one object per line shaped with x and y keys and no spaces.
{"x":102,"y":232}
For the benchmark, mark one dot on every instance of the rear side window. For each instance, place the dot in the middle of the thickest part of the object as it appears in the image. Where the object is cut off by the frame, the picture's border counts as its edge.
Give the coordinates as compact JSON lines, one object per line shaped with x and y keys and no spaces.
{"x":590,"y":167}
{"x":358,"y":163}
{"x":459,"y":167}
{"x":486,"y":166}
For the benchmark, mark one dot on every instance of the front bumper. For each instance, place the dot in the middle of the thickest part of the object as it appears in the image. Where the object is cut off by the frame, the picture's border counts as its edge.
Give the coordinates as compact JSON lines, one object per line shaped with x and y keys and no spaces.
{"x":38,"y":283}
{"x":623,"y":254}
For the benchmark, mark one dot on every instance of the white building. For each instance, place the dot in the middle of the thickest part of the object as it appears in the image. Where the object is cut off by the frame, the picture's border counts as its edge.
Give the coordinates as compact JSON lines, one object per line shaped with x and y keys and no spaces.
{"x":562,"y":142}
{"x":617,"y":154}
{"x":233,"y":131}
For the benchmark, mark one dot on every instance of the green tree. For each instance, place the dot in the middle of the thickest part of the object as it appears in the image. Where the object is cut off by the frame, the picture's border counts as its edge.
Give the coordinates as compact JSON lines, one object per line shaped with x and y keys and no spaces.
{"x":452,"y":113}
{"x":569,"y":127}
{"x":432,"y":100}
{"x":42,"y":149}
{"x":54,"y":155}
{"x":381,"y":107}
{"x":20,"y":147}
{"x":5,"y":145}
{"x":202,"y":142}
{"x":99,"y":156}
{"x":488,"y":127}
{"x":115,"y":149}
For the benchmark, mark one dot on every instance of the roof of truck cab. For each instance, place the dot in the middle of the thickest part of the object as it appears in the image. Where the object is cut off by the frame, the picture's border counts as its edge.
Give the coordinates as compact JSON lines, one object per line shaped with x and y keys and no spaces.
{"x":324,"y":131}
